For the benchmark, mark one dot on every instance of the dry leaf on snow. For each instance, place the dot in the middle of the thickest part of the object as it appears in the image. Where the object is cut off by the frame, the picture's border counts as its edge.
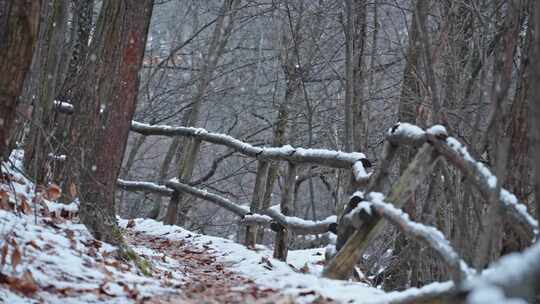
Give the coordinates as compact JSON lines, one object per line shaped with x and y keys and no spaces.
{"x":4,"y":200}
{"x":25,"y":285}
{"x":53,"y":192}
{"x":15,"y":257}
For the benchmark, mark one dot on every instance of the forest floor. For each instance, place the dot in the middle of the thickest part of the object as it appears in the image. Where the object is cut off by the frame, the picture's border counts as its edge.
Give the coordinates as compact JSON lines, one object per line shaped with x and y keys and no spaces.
{"x":207,"y":280}
{"x":46,"y":256}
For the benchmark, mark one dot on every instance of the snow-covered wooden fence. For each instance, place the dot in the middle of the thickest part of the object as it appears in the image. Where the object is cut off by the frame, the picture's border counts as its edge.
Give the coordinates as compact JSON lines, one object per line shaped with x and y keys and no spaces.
{"x":362,"y":219}
{"x":435,"y":143}
{"x":282,"y":222}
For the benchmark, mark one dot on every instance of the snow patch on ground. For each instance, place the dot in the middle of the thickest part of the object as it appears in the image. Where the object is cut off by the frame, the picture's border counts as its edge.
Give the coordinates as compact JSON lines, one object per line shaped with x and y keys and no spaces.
{"x":266,"y":271}
{"x":66,"y":263}
{"x":299,"y":277}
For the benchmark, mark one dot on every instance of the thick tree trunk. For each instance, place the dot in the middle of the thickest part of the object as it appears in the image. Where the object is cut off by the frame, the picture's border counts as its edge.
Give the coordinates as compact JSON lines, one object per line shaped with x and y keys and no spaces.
{"x":534,"y":108}
{"x":102,"y":121}
{"x":65,"y":172}
{"x":40,"y":146}
{"x":293,"y":81}
{"x":518,"y":180}
{"x":19,"y":21}
{"x":355,"y":34}
{"x":494,"y":140}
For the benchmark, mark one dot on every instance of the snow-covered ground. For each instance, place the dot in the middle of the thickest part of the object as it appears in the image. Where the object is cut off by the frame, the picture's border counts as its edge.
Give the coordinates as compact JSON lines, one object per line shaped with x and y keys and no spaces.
{"x":46,"y":256}
{"x":300,"y":279}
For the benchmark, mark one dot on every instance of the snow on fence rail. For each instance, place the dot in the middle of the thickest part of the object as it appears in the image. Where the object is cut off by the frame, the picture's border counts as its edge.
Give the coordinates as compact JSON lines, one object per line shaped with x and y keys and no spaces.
{"x":375,"y":202}
{"x":515,"y":278}
{"x":329,"y":158}
{"x":137,"y":186}
{"x":435,"y":144}
{"x":266,"y":218}
{"x":457,"y":154}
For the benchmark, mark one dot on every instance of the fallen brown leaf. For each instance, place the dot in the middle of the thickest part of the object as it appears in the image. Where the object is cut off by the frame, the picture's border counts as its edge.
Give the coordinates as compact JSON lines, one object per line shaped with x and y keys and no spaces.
{"x":24,"y":207}
{"x":305,"y":268}
{"x":15,"y":257}
{"x":307,"y":293}
{"x":33,"y":244}
{"x":25,"y":285}
{"x":4,"y":200}
{"x":53,"y":192}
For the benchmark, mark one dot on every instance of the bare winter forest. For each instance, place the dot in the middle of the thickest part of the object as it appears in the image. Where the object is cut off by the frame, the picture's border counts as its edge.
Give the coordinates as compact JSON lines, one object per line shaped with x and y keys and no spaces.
{"x":269,"y":151}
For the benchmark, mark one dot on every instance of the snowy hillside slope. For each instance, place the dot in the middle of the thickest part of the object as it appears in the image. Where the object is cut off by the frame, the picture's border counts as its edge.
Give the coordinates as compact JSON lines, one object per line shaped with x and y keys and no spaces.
{"x":46,"y":256}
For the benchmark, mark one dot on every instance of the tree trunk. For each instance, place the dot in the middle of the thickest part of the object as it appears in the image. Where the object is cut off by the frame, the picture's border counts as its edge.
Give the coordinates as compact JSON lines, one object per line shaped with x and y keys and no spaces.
{"x":282,"y":235}
{"x":494,"y":139}
{"x":407,"y":108}
{"x":219,"y":39}
{"x":187,"y":164}
{"x":534,"y":108}
{"x":156,"y":211}
{"x":102,"y":121}
{"x":355,"y":36}
{"x":256,"y":201}
{"x":65,"y":173}
{"x":40,"y":146}
{"x":518,"y":179}
{"x":19,"y":21}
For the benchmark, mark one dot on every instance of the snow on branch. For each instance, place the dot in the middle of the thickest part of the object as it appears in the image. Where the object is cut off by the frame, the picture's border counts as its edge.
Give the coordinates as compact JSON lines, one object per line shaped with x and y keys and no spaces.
{"x":63,"y":107}
{"x":457,"y":154}
{"x":486,"y":181}
{"x":516,"y":275}
{"x":294,"y":224}
{"x":428,"y":234}
{"x":143,"y":187}
{"x":515,"y":278}
{"x":336,"y":159}
{"x":298,"y":225}
{"x":208,"y":196}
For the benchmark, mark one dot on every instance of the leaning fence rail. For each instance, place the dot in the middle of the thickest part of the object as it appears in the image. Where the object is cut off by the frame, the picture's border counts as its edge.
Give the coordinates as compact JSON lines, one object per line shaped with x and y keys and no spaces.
{"x":363,"y":218}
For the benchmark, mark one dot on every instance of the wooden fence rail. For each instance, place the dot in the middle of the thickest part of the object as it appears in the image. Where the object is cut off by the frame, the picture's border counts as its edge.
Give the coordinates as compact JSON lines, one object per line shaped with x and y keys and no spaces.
{"x":362,"y":219}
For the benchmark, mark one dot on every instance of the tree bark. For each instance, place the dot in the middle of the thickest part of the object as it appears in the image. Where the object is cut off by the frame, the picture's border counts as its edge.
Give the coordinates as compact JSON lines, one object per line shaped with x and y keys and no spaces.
{"x":282,"y":235}
{"x":40,"y":146}
{"x":256,"y":201}
{"x":355,"y":33}
{"x":19,"y":22}
{"x":409,"y":102}
{"x":102,"y":121}
{"x":534,"y":108}
{"x":65,"y":173}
